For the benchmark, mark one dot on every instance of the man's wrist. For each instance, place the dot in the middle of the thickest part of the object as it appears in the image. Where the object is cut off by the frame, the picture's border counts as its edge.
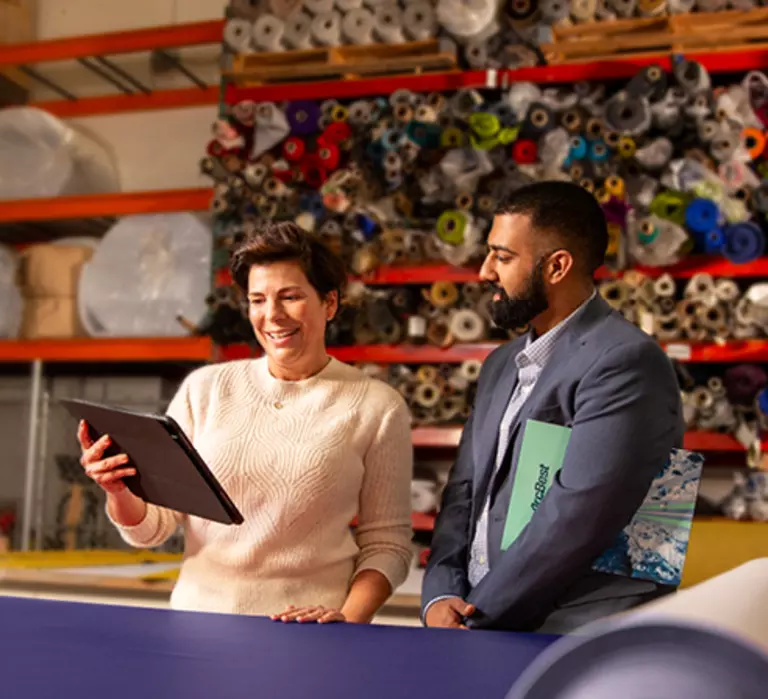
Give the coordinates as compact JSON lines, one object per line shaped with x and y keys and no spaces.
{"x":430,"y":603}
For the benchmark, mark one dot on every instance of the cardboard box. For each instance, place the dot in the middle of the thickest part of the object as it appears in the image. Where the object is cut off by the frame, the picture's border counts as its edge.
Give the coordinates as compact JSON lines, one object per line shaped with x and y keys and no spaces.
{"x":52,"y":271}
{"x":47,"y":318}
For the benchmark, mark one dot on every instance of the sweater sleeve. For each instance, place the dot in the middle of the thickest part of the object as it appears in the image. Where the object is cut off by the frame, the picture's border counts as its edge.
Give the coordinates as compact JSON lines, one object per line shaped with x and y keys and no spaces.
{"x":384,"y":519}
{"x":160,"y":523}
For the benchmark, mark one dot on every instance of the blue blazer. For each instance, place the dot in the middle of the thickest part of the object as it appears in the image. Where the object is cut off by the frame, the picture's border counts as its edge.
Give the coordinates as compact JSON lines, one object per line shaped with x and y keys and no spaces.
{"x":614,"y":386}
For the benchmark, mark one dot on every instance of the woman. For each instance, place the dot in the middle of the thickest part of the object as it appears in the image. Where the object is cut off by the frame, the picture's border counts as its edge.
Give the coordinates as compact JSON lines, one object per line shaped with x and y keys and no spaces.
{"x":301,"y":442}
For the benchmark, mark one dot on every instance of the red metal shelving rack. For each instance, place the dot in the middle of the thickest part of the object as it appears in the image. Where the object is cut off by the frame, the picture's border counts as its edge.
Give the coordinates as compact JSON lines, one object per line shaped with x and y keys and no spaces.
{"x":90,"y":349}
{"x":99,"y":205}
{"x":448,"y":436}
{"x":733,"y":351}
{"x":97,"y":46}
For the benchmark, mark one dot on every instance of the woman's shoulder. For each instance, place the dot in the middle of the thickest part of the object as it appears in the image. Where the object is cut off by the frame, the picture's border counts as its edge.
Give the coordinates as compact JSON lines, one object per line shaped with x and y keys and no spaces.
{"x":224,"y":375}
{"x":377,"y":391}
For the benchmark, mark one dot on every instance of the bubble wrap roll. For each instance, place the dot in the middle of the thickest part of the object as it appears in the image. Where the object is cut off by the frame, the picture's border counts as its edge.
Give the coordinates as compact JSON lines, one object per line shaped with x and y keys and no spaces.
{"x":163,"y":260}
{"x":41,"y":156}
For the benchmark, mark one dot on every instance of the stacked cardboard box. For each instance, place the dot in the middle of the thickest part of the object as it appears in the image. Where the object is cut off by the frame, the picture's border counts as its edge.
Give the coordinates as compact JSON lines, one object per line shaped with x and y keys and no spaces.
{"x":49,"y":277}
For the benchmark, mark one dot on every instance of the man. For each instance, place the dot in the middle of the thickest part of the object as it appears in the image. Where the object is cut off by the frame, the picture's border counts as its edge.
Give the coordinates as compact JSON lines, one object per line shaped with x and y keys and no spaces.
{"x":581,"y":366}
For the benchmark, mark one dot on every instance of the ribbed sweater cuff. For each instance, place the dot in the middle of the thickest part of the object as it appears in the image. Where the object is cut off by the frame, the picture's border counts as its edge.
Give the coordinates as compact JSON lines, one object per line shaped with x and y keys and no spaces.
{"x":139,"y":535}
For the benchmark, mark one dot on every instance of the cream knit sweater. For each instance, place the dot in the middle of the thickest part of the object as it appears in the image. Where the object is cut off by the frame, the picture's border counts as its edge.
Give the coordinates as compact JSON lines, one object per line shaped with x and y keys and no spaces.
{"x":300,"y":459}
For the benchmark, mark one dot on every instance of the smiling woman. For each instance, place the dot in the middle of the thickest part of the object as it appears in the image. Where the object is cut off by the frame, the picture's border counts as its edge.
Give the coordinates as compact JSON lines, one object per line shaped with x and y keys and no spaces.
{"x":293,"y":283}
{"x":302,"y":442}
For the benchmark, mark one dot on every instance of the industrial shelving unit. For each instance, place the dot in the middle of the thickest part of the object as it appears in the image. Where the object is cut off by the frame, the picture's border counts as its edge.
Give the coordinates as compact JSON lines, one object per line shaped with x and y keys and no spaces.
{"x":91,"y":52}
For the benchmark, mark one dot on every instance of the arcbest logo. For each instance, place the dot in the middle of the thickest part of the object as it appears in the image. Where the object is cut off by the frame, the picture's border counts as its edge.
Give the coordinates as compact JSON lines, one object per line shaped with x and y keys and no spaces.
{"x":540,"y":487}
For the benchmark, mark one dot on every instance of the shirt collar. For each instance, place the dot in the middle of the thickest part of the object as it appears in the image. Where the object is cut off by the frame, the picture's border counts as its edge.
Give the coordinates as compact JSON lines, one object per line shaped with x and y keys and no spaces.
{"x":538,"y":351}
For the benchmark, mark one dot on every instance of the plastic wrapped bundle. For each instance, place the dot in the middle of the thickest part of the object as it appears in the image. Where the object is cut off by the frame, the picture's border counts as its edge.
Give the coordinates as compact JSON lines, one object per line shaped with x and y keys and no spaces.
{"x":10,"y":296}
{"x":147,"y":272}
{"x":41,"y":156}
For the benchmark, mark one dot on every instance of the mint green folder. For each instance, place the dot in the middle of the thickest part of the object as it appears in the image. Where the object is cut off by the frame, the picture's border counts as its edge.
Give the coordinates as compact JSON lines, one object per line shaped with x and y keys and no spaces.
{"x":541,"y":457}
{"x":653,"y":546}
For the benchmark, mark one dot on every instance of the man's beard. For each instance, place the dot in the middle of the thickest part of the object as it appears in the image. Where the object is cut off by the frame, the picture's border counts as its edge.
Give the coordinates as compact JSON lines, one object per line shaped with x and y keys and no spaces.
{"x":517,"y":312}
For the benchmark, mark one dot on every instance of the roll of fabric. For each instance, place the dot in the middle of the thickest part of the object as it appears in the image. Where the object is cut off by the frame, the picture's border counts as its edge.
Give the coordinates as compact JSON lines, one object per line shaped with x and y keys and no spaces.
{"x":349,"y":5}
{"x":715,"y":645}
{"x":237,"y":35}
{"x":451,"y":227}
{"x":388,"y":22}
{"x":419,"y":20}
{"x":326,"y":29}
{"x":743,"y":382}
{"x":303,"y":117}
{"x":268,"y":33}
{"x":467,"y":326}
{"x":358,"y":26}
{"x":744,"y":242}
{"x":298,"y":31}
{"x":466,"y":18}
{"x":417,"y":329}
{"x":443,"y":295}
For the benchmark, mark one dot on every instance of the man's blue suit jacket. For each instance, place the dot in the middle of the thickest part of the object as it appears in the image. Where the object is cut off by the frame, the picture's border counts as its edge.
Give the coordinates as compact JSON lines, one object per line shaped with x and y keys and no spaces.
{"x":614,"y":386}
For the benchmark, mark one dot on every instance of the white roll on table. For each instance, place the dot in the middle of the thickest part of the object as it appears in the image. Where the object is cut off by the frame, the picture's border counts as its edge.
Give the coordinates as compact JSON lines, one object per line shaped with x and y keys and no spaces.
{"x":147,"y":271}
{"x":708,"y":642}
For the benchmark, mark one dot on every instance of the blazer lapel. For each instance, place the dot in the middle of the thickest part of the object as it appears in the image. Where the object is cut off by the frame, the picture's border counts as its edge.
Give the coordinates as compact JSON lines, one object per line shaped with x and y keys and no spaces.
{"x":566,"y":347}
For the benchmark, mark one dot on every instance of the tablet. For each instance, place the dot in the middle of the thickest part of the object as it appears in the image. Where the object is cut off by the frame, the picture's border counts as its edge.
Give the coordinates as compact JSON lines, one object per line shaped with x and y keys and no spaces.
{"x":169,"y":471}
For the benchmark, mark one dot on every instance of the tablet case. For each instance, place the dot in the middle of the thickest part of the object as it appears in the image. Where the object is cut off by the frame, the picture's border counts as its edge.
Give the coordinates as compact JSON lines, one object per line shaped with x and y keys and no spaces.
{"x":169,"y":471}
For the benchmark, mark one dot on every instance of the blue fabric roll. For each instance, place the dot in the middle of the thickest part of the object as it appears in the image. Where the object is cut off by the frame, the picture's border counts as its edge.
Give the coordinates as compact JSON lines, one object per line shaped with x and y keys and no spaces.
{"x":598,"y":151}
{"x":711,"y":242}
{"x":744,"y":242}
{"x":391,"y":139}
{"x":578,"y":148}
{"x":701,"y":216}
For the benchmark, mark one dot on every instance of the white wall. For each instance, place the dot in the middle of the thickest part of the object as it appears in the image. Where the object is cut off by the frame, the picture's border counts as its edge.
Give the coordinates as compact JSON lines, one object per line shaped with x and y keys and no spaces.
{"x":153,"y":150}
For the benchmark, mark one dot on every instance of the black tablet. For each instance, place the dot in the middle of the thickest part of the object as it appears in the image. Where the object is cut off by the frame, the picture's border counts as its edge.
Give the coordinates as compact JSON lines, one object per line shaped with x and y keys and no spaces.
{"x":169,"y":471}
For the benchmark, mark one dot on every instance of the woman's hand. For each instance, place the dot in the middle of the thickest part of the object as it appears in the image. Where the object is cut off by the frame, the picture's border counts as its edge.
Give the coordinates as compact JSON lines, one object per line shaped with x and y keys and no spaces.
{"x":318,"y":614}
{"x":109,"y":472}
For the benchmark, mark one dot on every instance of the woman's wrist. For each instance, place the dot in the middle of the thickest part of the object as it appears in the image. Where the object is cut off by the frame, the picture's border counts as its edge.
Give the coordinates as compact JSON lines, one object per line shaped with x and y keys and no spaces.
{"x":125,"y":508}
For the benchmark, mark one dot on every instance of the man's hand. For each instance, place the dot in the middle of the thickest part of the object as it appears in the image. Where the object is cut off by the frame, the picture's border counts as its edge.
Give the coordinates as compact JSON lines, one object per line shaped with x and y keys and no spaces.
{"x":448,"y":613}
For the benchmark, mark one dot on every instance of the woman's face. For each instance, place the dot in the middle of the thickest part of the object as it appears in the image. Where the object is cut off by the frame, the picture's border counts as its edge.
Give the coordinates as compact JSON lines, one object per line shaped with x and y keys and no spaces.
{"x":287,"y":314}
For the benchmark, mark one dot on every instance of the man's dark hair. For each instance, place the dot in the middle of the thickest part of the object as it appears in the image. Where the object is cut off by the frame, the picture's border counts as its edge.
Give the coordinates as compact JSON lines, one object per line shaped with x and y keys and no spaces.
{"x":568,"y":212}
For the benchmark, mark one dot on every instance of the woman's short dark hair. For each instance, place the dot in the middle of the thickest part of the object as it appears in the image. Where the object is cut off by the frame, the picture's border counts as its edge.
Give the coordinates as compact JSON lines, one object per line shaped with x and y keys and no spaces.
{"x":284,"y":241}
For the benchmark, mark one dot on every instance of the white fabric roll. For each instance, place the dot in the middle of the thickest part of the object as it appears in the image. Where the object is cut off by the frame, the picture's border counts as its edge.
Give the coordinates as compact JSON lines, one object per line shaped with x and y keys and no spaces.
{"x":389,"y":24}
{"x":734,"y":602}
{"x":423,"y":496}
{"x":348,"y":5}
{"x":709,"y":642}
{"x":466,"y":18}
{"x":419,"y":20}
{"x":357,"y":26}
{"x":326,"y":29}
{"x":237,"y":35}
{"x":268,"y":33}
{"x":298,"y":31}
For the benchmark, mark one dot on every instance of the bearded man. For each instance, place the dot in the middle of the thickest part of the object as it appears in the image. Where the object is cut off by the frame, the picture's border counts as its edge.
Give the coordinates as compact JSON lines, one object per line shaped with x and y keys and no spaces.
{"x":581,"y":366}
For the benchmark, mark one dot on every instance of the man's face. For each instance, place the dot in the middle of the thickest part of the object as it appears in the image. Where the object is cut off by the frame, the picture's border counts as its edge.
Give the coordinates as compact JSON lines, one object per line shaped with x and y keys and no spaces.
{"x":515,"y":272}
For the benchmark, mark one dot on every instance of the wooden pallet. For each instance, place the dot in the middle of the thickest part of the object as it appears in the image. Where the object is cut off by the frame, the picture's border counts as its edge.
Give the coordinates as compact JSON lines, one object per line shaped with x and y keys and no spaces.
{"x":731,"y":30}
{"x":341,"y":62}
